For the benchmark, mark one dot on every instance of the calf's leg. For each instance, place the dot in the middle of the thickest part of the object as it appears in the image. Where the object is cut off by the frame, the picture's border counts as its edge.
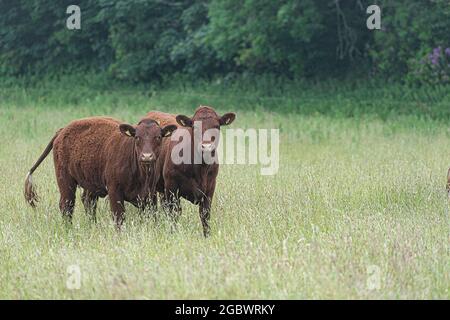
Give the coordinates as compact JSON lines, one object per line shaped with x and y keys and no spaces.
{"x":204,"y":211}
{"x":90,"y":204}
{"x":172,"y":204}
{"x":205,"y":206}
{"x":117,"y":207}
{"x":67,"y":190}
{"x":149,"y":204}
{"x":154,"y":202}
{"x":153,"y":206}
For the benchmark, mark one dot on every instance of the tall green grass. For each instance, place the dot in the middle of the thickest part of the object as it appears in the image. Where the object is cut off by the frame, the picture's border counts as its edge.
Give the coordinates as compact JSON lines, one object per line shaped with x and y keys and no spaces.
{"x":358,"y":208}
{"x":355,"y":98}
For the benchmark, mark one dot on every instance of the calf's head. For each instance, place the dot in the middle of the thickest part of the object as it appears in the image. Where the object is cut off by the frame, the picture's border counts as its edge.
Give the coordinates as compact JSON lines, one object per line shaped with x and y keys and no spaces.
{"x":147,"y":137}
{"x":210,"y":123}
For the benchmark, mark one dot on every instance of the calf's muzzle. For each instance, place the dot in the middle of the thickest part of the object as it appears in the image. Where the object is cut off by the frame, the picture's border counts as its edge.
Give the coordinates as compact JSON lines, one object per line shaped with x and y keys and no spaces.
{"x":148,"y":157}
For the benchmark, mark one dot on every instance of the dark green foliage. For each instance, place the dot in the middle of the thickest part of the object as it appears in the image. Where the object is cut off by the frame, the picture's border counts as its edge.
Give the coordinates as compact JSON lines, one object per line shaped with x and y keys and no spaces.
{"x":411,"y":29}
{"x":34,"y":37}
{"x":296,"y":38}
{"x":144,"y":40}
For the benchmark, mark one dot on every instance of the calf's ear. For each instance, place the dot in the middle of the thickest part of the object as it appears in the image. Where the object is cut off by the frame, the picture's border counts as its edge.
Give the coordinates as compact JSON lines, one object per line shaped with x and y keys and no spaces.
{"x":227,"y":118}
{"x":167,"y":130}
{"x":127,"y":130}
{"x":184,"y":121}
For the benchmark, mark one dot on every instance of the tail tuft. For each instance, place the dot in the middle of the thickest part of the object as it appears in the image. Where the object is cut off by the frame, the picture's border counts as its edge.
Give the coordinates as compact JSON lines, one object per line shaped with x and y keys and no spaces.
{"x":30,"y":191}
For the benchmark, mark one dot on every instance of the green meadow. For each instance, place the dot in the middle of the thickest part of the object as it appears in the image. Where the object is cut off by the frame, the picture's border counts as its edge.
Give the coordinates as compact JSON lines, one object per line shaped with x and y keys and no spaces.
{"x":358,"y":208}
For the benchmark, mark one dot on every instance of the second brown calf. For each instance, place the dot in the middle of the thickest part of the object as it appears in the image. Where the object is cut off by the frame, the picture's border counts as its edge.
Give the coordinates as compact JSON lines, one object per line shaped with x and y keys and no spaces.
{"x":195,"y":182}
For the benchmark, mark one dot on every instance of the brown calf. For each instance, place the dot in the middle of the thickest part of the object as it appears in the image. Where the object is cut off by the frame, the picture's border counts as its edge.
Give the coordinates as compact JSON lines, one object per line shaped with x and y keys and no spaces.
{"x":104,"y":157}
{"x":194,"y":182}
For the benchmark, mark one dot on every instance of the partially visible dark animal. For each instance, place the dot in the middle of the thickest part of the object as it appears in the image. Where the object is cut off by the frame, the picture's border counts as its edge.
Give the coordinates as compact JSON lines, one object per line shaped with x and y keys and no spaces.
{"x":194,"y":182}
{"x":448,"y":183}
{"x":104,"y":157}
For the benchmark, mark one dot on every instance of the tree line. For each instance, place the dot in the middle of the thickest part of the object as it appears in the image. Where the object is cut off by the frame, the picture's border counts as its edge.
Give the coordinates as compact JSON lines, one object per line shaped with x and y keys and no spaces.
{"x":143,"y":40}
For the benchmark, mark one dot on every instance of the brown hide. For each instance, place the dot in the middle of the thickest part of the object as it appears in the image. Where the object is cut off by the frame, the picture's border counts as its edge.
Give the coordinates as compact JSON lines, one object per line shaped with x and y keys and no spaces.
{"x":194,"y":182}
{"x":94,"y":154}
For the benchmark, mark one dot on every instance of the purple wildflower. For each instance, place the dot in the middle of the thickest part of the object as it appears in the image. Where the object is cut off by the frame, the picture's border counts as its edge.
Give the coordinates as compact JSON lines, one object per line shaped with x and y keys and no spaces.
{"x":433,"y":59}
{"x":435,"y":55}
{"x":447,"y":51}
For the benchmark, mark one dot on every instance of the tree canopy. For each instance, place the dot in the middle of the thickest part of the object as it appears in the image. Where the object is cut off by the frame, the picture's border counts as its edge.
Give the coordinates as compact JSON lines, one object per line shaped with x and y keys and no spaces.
{"x":141,"y":40}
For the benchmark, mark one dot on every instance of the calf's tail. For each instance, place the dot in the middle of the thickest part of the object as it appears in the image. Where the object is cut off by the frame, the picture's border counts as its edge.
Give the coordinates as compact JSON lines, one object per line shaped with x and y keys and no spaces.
{"x":30,"y":191}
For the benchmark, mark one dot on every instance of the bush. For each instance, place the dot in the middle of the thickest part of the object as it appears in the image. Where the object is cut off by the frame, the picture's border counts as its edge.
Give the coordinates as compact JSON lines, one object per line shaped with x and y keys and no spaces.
{"x":409,"y":30}
{"x":433,"y":68}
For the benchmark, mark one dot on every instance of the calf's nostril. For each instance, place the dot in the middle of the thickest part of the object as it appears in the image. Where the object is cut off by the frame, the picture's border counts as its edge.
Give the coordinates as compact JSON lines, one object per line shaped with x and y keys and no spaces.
{"x":147,"y":157}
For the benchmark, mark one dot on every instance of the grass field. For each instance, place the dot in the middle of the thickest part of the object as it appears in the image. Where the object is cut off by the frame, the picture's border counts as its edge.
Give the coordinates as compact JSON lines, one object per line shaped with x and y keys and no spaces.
{"x":358,"y":208}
